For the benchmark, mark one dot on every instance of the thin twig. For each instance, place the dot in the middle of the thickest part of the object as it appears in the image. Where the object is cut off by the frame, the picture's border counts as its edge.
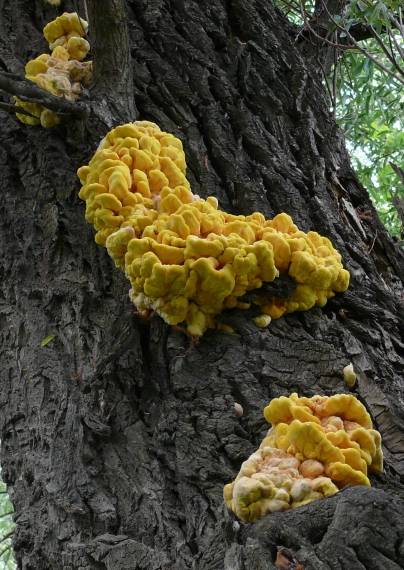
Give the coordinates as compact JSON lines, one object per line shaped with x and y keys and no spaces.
{"x":6,"y":536}
{"x":313,"y":31}
{"x":6,"y":514}
{"x":325,"y":80}
{"x":85,"y":10}
{"x":77,"y":10}
{"x":334,"y":80}
{"x":399,"y":171}
{"x":391,"y":47}
{"x":5,"y":550}
{"x":390,"y":56}
{"x":16,"y":109}
{"x":395,"y":42}
{"x":28,"y":91}
{"x":12,"y":75}
{"x":373,"y":243}
{"x":361,"y":49}
{"x":397,"y":23}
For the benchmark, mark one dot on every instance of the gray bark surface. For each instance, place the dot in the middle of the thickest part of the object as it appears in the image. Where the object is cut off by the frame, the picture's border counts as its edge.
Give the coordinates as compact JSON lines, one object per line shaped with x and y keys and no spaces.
{"x":118,"y":436}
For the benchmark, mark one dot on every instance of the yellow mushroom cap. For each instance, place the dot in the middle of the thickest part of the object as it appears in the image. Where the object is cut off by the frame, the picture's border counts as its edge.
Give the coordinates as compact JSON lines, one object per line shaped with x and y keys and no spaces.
{"x":77,"y":48}
{"x":270,"y":481}
{"x":335,"y":429}
{"x":65,"y":24}
{"x":315,"y":447}
{"x":49,"y":119}
{"x":262,"y":321}
{"x":349,"y":375}
{"x":35,"y":66}
{"x":60,"y":53}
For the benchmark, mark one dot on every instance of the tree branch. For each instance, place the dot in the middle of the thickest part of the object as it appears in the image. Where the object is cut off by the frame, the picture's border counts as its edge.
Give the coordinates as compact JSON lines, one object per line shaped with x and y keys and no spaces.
{"x":112,"y":72}
{"x":6,"y":536}
{"x":397,"y":201}
{"x":317,"y":31}
{"x":28,"y":91}
{"x":396,"y":44}
{"x":324,"y":22}
{"x":359,"y":31}
{"x":365,"y":52}
{"x":6,"y":549}
{"x":6,"y":514}
{"x":15,"y":109}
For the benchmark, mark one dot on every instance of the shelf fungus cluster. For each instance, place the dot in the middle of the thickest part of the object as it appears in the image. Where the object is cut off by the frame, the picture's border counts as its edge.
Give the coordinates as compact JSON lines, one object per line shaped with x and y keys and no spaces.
{"x":185,"y":258}
{"x":63,"y":72}
{"x":315,"y":447}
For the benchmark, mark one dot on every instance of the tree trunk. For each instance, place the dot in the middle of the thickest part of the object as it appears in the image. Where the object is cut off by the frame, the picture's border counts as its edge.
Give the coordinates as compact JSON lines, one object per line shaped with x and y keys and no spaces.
{"x":118,"y":436}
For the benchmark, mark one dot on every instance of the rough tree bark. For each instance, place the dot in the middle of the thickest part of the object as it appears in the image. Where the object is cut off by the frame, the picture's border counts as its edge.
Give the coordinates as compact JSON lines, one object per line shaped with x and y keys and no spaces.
{"x":117,"y":437}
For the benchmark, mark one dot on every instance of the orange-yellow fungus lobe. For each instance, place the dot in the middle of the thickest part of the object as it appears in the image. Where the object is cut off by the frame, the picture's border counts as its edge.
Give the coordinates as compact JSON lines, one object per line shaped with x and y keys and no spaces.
{"x":311,"y":451}
{"x":63,"y":73}
{"x":213,"y":258}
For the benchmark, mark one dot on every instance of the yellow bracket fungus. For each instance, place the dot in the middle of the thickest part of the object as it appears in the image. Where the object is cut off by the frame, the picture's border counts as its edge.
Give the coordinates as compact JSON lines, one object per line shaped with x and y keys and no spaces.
{"x":62,"y":73}
{"x":315,"y":447}
{"x":185,"y":258}
{"x":262,"y":321}
{"x":349,"y":375}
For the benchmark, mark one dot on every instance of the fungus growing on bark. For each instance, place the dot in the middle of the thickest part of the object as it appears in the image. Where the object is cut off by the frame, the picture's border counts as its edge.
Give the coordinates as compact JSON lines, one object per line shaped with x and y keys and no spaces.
{"x":349,"y":375}
{"x":61,"y":29}
{"x":315,"y":447}
{"x":62,"y":73}
{"x":262,"y":321}
{"x":271,"y":480}
{"x":186,"y":259}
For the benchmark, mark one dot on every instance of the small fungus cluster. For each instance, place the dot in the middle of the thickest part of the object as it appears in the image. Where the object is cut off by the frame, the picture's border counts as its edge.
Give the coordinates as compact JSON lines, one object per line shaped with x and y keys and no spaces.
{"x":315,"y":447}
{"x":186,"y":259}
{"x":63,"y":72}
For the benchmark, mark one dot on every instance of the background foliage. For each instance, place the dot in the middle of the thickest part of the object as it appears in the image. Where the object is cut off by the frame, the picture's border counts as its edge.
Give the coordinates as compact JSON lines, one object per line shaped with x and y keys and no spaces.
{"x":6,"y":530}
{"x":370,"y":109}
{"x":366,"y":87}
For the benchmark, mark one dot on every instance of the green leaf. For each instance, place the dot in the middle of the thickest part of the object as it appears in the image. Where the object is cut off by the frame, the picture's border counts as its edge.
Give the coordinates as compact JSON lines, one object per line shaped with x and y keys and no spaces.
{"x":370,"y":102}
{"x":45,"y":341}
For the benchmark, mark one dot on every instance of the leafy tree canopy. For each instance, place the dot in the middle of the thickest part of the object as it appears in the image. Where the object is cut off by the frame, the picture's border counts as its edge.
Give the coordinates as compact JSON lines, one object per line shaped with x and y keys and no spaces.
{"x":366,"y":87}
